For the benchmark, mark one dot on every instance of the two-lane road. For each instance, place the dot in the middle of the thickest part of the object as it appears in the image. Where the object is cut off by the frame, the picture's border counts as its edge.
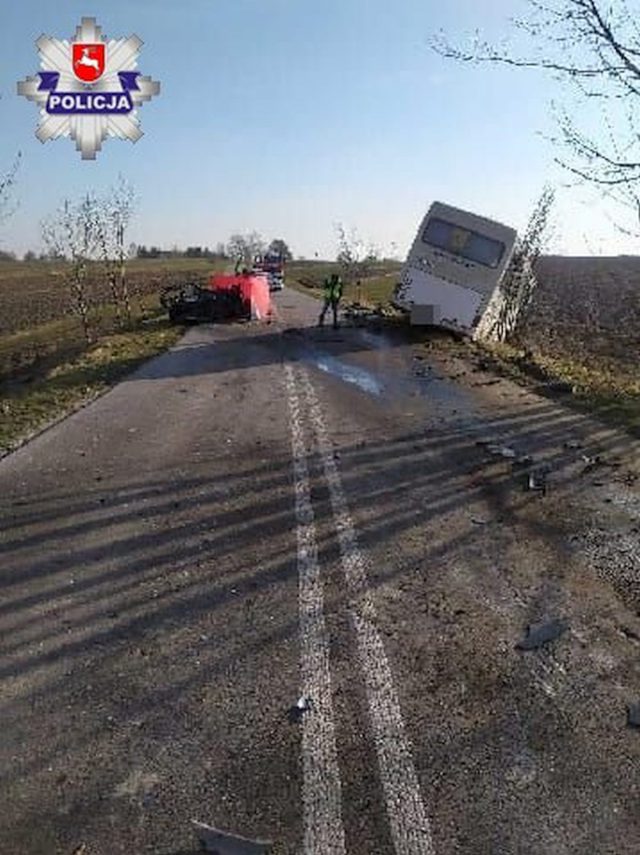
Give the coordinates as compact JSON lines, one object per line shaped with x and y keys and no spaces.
{"x":273,"y":513}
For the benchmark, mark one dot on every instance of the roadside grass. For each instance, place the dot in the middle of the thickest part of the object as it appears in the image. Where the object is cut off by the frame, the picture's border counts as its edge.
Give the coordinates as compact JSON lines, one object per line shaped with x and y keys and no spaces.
{"x":27,"y":406}
{"x":602,"y":386}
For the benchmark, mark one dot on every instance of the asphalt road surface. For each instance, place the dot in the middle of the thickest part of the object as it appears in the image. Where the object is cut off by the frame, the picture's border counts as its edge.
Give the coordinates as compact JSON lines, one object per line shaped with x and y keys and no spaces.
{"x":275,"y":582}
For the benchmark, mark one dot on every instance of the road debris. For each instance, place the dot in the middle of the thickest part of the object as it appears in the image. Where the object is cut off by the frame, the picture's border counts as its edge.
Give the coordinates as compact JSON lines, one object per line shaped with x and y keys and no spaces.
{"x":523,"y":461}
{"x":536,"y":481}
{"x":591,"y":462}
{"x":483,"y":443}
{"x":223,"y":843}
{"x":629,"y":634}
{"x":301,"y":706}
{"x":573,"y":444}
{"x":542,"y":633}
{"x":501,"y":451}
{"x":560,"y":386}
{"x":633,"y":715}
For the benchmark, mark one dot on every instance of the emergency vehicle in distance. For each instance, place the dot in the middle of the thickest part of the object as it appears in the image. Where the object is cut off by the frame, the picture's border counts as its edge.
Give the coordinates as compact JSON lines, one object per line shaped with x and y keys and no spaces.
{"x":271,"y":264}
{"x":455,"y":264}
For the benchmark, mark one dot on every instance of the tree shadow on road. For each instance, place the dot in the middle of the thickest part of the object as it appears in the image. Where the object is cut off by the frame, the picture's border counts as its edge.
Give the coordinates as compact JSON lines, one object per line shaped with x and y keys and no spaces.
{"x":170,"y":581}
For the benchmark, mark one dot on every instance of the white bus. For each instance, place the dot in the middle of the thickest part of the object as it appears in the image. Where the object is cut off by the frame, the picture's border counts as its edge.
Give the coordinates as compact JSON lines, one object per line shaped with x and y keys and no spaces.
{"x":454,"y":266}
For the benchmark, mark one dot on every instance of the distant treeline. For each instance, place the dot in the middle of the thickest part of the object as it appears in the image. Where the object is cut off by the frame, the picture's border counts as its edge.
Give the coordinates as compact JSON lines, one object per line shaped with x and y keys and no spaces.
{"x":134,"y":252}
{"x":190,"y":252}
{"x":246,"y":246}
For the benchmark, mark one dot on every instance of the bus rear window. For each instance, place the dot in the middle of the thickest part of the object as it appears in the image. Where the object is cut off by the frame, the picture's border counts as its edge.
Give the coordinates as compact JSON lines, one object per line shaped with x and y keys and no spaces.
{"x":463,"y":242}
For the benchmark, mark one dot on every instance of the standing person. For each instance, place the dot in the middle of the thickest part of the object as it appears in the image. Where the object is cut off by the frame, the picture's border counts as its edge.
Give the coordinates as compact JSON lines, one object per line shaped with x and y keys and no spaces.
{"x":332,"y":297}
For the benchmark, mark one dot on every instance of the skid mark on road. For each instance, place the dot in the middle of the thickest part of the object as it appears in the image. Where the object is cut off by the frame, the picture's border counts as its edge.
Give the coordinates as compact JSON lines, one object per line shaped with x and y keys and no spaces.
{"x":409,"y":824}
{"x":323,"y":828}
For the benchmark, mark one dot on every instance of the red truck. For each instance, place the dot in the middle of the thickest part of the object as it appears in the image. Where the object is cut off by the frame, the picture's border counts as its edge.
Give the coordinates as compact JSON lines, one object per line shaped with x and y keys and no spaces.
{"x":272,"y":265}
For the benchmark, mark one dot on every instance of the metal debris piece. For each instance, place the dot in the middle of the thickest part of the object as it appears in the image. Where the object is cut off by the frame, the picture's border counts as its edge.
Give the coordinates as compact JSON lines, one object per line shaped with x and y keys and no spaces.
{"x":633,"y":715}
{"x":591,"y":462}
{"x":301,"y":706}
{"x":501,"y":451}
{"x":536,"y":481}
{"x":629,"y":633}
{"x":522,"y":461}
{"x":222,"y":843}
{"x":304,"y":704}
{"x":542,"y":633}
{"x":493,"y":449}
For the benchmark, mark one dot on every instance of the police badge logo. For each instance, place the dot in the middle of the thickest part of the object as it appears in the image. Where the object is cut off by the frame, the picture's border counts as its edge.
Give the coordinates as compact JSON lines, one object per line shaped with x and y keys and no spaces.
{"x":89,"y":88}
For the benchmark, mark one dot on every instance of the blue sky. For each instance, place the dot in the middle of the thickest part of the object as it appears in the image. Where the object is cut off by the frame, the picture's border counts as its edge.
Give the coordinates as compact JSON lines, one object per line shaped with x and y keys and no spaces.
{"x":287,"y":116}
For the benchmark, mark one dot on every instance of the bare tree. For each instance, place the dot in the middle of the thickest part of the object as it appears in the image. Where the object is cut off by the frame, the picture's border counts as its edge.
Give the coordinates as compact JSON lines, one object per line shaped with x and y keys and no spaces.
{"x":504,"y":316}
{"x":108,"y":218}
{"x":7,"y":183}
{"x":355,"y":256}
{"x":70,"y":234}
{"x":98,"y":212}
{"x":594,"y":48}
{"x":121,"y":204}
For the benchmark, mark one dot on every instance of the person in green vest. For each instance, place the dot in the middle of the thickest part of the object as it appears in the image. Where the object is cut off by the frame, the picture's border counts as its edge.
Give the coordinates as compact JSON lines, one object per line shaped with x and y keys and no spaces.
{"x":332,"y":297}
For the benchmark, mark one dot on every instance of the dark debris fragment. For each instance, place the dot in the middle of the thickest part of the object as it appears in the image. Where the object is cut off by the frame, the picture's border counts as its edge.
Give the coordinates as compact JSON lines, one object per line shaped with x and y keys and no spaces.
{"x":539,"y":634}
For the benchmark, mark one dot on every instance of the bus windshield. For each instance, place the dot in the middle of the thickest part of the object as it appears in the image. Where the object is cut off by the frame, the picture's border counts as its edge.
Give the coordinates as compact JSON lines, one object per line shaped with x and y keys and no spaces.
{"x":463,"y":242}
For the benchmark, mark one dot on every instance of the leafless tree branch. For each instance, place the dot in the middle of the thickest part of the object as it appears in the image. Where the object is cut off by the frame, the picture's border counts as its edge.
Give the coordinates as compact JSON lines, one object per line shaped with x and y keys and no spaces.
{"x":594,"y":47}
